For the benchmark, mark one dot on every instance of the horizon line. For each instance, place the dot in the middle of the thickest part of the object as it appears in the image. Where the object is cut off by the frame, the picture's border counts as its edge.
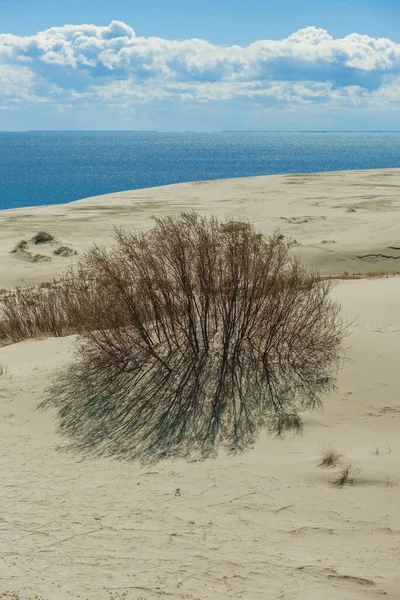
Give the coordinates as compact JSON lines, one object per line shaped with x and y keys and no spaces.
{"x":198,"y":131}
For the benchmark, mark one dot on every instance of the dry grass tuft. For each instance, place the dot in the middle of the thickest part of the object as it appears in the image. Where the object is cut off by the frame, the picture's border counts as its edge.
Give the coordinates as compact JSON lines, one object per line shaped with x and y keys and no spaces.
{"x":376,"y":451}
{"x":20,"y":247}
{"x":42,"y":238}
{"x":36,"y":311}
{"x":64,"y":251}
{"x":22,"y":251}
{"x":389,"y":483}
{"x":346,"y":476}
{"x":330,"y":458}
{"x":35,"y":258}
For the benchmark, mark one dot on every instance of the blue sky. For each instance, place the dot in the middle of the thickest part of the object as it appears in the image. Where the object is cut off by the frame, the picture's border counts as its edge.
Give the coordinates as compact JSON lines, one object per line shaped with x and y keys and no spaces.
{"x":210,"y":65}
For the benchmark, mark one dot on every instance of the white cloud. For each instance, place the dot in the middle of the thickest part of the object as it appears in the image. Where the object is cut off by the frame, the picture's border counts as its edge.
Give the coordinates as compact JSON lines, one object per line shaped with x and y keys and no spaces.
{"x":111,"y":64}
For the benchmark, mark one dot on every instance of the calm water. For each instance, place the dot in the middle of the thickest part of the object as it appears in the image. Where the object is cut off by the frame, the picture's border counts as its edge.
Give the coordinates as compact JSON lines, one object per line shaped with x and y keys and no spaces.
{"x":51,"y":167}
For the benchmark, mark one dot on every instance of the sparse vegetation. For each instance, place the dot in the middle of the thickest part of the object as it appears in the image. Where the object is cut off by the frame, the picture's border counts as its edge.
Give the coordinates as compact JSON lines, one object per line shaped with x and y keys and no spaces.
{"x":23,"y":252}
{"x":195,"y":334}
{"x":377,"y":451}
{"x":20,"y":247}
{"x":42,"y":238}
{"x":330,"y":458}
{"x":64,"y":251}
{"x":389,"y":483}
{"x":346,"y":476}
{"x":35,"y":311}
{"x":37,"y":257}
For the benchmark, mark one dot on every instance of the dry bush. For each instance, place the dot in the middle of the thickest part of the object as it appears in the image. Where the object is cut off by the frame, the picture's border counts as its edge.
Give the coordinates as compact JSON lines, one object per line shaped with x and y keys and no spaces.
{"x":52,"y":308}
{"x":330,"y":458}
{"x":196,"y":334}
{"x":46,"y":310}
{"x":30,"y":312}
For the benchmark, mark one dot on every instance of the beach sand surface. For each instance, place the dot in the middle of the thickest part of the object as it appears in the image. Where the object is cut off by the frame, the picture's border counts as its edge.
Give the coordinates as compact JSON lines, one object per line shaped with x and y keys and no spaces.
{"x":265,"y":524}
{"x":342,"y":221}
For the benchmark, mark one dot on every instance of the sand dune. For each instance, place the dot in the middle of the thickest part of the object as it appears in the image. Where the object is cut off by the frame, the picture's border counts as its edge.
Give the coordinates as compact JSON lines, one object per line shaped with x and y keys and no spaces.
{"x":268,"y":524}
{"x":312,"y":208}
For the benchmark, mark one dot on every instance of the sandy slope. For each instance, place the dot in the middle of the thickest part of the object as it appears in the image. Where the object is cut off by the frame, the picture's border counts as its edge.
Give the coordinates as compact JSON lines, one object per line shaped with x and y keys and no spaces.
{"x":265,"y":525}
{"x":310,"y":208}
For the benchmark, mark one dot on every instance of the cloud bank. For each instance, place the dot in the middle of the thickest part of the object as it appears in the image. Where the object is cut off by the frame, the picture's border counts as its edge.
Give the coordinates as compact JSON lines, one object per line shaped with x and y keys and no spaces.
{"x":112,"y":66}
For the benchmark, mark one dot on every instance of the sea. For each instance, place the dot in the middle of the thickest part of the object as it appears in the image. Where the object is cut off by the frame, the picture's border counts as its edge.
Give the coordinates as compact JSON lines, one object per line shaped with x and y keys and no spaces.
{"x":42,"y":168}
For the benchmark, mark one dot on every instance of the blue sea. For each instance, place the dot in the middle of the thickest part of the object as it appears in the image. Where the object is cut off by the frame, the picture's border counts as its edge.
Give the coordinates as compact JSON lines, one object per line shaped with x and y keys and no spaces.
{"x":56,"y":167}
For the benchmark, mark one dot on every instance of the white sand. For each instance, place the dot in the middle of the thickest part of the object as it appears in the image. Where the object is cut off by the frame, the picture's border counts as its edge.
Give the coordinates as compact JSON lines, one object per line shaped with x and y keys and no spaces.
{"x":268,"y":524}
{"x":319,"y":201}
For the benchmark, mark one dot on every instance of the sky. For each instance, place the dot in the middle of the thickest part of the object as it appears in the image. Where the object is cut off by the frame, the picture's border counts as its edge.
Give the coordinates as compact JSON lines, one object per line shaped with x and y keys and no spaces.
{"x":209,"y":65}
